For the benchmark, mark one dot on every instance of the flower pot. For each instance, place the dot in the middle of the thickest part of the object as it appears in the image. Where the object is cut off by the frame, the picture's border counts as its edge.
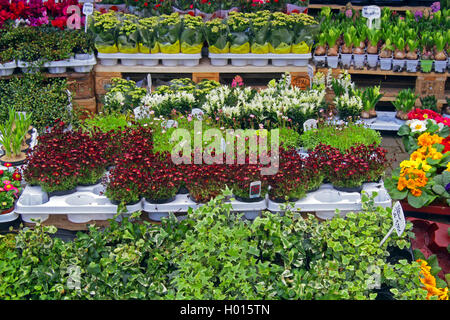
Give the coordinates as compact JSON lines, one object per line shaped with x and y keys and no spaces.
{"x":5,"y":211}
{"x":7,"y":68}
{"x":346,"y":60}
{"x":83,"y":56}
{"x":365,"y":114}
{"x":157,"y":216}
{"x":282,"y":200}
{"x":372,"y":60}
{"x":320,"y":61}
{"x":91,"y":184}
{"x":426,"y":65}
{"x":440,"y":65}
{"x":61,"y":193}
{"x":115,"y":202}
{"x":373,"y":113}
{"x":398,"y":65}
{"x":332,"y":61}
{"x":434,"y":208}
{"x":386,"y":63}
{"x":401,"y":115}
{"x":358,"y":60}
{"x":160,"y":201}
{"x":249,"y":200}
{"x":348,"y":189}
{"x":314,"y":190}
{"x":411,"y":65}
{"x":16,"y":163}
{"x":251,"y":215}
{"x":183,"y":190}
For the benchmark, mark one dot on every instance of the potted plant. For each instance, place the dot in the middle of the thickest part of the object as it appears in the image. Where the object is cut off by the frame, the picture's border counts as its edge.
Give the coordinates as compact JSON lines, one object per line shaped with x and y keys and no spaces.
{"x":373,"y":35}
{"x":348,"y":106}
{"x":240,"y":176}
{"x":347,"y":47}
{"x":205,"y":182}
{"x":192,"y":35}
{"x":333,"y":35}
{"x":386,"y":55}
{"x":13,"y":133}
{"x":84,"y":45}
{"x":404,"y":103}
{"x":105,"y":30}
{"x":216,"y":32}
{"x":260,"y":27}
{"x":320,"y":51}
{"x":370,"y":97}
{"x":359,"y":47}
{"x":281,"y":33}
{"x":440,"y":57}
{"x":127,"y":36}
{"x":147,"y":35}
{"x":125,"y":185}
{"x":7,"y":62}
{"x":398,"y":63}
{"x":426,"y":56}
{"x":412,"y":59}
{"x":168,"y":33}
{"x":239,"y":33}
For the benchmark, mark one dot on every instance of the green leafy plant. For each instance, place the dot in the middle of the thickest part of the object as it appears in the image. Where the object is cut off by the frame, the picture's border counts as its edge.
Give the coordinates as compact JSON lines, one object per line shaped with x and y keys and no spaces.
{"x":405,"y":100}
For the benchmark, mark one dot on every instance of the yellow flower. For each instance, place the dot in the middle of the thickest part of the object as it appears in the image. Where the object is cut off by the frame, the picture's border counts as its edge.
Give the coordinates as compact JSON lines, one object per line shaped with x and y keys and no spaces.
{"x":401,"y":184}
{"x":416,"y":192}
{"x":448,"y":167}
{"x":416,"y":155}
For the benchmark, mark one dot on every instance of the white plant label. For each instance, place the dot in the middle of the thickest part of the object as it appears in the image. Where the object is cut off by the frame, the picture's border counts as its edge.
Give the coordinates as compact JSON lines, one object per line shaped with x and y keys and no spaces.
{"x":88,"y":9}
{"x":398,"y":221}
{"x":169,"y":124}
{"x":371,"y":13}
{"x":198,"y":113}
{"x":255,"y":189}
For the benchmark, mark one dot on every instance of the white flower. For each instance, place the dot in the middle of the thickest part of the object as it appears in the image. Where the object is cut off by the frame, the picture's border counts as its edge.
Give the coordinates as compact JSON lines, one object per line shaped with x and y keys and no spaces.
{"x":418,"y":126}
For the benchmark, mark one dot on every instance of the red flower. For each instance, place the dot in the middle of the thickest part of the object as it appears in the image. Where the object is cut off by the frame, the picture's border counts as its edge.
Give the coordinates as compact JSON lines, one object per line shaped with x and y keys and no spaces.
{"x":146,"y":4}
{"x":7,"y":164}
{"x":17,"y":176}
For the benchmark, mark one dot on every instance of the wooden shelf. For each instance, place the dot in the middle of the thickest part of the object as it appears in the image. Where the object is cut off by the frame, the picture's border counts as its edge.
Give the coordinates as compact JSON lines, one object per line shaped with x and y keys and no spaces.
{"x":204,"y":67}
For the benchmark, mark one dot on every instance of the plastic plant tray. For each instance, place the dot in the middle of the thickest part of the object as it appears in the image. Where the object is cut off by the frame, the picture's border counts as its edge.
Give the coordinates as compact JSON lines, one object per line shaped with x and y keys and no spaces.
{"x":7,"y":69}
{"x":259,"y":60}
{"x":152,"y":59}
{"x":182,"y":203}
{"x":78,"y":65}
{"x":326,"y":200}
{"x":8,"y":217}
{"x":82,"y":206}
{"x":385,"y":120}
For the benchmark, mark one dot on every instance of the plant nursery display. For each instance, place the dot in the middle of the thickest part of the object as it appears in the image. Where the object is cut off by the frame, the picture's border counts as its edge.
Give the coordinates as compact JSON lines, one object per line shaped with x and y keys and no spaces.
{"x":404,"y":103}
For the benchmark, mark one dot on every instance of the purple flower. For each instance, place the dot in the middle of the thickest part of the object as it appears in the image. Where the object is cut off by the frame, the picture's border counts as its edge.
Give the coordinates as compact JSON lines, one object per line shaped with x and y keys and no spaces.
{"x":349,"y":13}
{"x":447,"y":187}
{"x":418,"y":15}
{"x":436,"y":6}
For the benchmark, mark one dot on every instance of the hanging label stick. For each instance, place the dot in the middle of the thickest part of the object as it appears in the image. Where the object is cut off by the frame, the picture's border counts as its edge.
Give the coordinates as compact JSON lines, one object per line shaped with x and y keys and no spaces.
{"x":398,"y":221}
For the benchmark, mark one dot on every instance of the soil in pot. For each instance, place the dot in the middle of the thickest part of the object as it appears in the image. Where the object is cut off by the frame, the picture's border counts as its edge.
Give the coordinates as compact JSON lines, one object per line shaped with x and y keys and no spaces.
{"x":348,"y":189}
{"x":160,"y":201}
{"x":384,"y":293}
{"x":249,"y":200}
{"x":396,"y":254}
{"x":14,"y":160}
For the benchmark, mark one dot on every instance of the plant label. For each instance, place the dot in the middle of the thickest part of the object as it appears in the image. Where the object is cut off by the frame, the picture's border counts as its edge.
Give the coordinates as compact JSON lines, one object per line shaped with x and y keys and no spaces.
{"x":74,"y":20}
{"x":88,"y":9}
{"x":198,"y":113}
{"x":371,"y":13}
{"x":149,"y":82}
{"x":255,"y":189}
{"x":398,"y":217}
{"x":169,"y":124}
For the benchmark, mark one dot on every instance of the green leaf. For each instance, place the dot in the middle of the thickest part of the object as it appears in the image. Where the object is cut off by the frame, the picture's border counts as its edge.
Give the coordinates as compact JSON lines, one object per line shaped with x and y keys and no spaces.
{"x":445,"y":132}
{"x":419,"y":202}
{"x":418,"y":254}
{"x":439,"y":189}
{"x":404,"y":130}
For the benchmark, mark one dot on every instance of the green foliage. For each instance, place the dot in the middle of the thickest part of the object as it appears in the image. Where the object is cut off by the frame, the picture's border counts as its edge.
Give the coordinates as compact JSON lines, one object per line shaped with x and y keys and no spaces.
{"x":212,"y":254}
{"x":46,"y":99}
{"x":405,"y":100}
{"x":106,"y":122}
{"x":123,"y":96}
{"x":341,"y":137}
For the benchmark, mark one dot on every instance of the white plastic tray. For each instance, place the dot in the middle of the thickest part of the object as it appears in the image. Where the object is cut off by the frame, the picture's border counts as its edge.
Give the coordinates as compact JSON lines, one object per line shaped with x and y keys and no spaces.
{"x":182,"y":203}
{"x":149,"y":59}
{"x":385,"y":120}
{"x":79,"y":65}
{"x":82,"y":206}
{"x":260,"y":60}
{"x":8,"y":217}
{"x":7,"y":69}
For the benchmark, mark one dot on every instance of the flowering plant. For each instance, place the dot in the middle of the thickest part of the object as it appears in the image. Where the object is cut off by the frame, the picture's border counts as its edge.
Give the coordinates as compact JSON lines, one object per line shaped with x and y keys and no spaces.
{"x":424,"y":114}
{"x":306,"y":29}
{"x":192,"y":35}
{"x":428,"y":281}
{"x":127,"y":35}
{"x":105,"y":27}
{"x":168,"y":31}
{"x":348,"y":106}
{"x":239,"y":25}
{"x":216,"y":32}
{"x":260,"y":27}
{"x":9,"y":188}
{"x":281,"y":33}
{"x":147,"y":35}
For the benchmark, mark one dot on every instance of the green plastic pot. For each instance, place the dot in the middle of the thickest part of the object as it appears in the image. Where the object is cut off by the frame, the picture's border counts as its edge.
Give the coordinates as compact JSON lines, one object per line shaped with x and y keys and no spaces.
{"x":426,"y":65}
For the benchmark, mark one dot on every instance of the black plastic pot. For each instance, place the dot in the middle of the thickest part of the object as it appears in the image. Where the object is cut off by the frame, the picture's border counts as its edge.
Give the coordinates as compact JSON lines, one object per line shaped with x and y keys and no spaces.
{"x":115,"y":202}
{"x":15,"y":224}
{"x":345,"y":189}
{"x":61,"y":193}
{"x":384,"y":293}
{"x":249,"y":200}
{"x":183,"y":190}
{"x":91,"y":184}
{"x":397,"y":254}
{"x":281,"y":200}
{"x":14,"y":163}
{"x":160,"y":201}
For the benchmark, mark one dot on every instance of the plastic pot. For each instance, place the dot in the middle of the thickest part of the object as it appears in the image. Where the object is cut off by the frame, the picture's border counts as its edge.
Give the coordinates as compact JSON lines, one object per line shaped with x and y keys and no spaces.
{"x":426,"y":65}
{"x":346,"y":189}
{"x":398,"y":65}
{"x":332,"y":61}
{"x":346,"y":60}
{"x":385,"y":63}
{"x":160,"y":201}
{"x":320,"y":61}
{"x":358,"y":60}
{"x":249,"y":200}
{"x":372,"y":60}
{"x":440,"y":65}
{"x":411,"y":65}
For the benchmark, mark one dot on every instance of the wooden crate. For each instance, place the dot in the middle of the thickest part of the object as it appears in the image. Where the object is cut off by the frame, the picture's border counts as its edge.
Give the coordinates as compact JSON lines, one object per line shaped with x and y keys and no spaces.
{"x":82,"y":85}
{"x":88,"y":105}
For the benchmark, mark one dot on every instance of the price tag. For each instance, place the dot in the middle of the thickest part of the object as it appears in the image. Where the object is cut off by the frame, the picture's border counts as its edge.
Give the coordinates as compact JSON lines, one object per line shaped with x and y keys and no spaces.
{"x":88,"y":9}
{"x":398,"y":221}
{"x":255,"y":189}
{"x":371,"y":13}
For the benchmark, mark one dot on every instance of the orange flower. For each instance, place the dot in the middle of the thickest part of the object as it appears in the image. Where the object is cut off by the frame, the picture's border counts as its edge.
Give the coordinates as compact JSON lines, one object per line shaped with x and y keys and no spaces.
{"x":401,"y":184}
{"x":416,"y":192}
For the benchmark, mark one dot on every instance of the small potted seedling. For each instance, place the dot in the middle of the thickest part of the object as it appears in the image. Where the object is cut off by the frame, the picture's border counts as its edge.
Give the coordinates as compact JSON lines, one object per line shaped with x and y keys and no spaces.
{"x":320,"y":51}
{"x":398,"y":63}
{"x":386,"y":55}
{"x":426,"y":57}
{"x":370,"y":97}
{"x":373,"y":35}
{"x":404,"y":103}
{"x":359,"y":48}
{"x":347,"y":47}
{"x":332,"y":54}
{"x":440,"y":58}
{"x":412,"y":58}
{"x":13,"y":132}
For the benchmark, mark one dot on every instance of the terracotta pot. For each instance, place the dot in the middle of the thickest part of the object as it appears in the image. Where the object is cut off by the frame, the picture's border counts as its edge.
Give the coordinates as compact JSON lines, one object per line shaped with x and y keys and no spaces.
{"x":372,"y":113}
{"x":401,"y":115}
{"x":365,"y":114}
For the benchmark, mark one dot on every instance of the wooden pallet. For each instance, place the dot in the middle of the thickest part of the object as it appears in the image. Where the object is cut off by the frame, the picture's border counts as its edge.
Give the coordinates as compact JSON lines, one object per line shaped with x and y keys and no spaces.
{"x":392,"y":82}
{"x":104,"y":74}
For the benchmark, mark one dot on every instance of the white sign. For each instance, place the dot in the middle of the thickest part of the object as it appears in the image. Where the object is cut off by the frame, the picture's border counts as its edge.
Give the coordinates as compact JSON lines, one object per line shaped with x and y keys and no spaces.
{"x":88,"y":9}
{"x":198,"y":113}
{"x":169,"y":124}
{"x":398,"y":218}
{"x":398,"y":221}
{"x":371,"y":12}
{"x":255,"y":189}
